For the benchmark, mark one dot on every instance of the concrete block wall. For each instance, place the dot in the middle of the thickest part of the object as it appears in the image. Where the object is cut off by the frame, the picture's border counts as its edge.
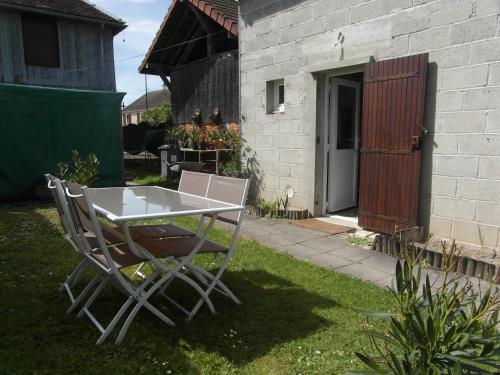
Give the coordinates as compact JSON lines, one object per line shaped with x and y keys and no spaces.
{"x":460,"y":190}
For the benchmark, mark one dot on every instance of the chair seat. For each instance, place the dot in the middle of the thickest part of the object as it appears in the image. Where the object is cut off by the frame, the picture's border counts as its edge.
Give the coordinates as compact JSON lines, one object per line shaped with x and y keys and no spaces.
{"x":114,"y":235}
{"x":139,"y":232}
{"x":179,"y":247}
{"x":121,"y":254}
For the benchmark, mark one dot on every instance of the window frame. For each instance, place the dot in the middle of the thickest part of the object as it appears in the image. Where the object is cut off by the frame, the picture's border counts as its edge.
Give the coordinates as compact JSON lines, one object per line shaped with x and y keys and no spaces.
{"x":277,"y":106}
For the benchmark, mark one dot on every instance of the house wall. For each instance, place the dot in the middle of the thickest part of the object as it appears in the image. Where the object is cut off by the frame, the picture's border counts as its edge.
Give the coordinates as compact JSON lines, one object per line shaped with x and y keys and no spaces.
{"x":86,"y":55}
{"x":296,"y":40}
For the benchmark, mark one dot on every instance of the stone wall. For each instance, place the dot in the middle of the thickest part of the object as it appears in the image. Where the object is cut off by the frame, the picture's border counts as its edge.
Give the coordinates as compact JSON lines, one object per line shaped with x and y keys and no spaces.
{"x":460,"y":189}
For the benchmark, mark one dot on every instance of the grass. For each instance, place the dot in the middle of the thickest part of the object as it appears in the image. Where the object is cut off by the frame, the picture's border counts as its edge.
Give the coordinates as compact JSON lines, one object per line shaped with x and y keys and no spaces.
{"x":359,"y":241}
{"x":146,"y":172}
{"x":295,"y":317}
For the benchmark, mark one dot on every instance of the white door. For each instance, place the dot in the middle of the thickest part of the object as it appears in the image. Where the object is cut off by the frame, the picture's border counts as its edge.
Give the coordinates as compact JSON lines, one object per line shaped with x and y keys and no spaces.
{"x":343,"y":142}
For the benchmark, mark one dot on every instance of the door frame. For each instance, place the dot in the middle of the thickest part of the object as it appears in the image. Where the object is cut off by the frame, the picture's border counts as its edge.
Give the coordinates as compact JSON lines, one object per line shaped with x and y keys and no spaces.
{"x":330,"y":116}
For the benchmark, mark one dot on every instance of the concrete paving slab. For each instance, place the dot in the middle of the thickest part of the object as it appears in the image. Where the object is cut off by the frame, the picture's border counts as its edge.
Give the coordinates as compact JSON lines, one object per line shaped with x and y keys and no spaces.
{"x":364,"y":272}
{"x":301,"y":251}
{"x":328,"y":243}
{"x":353,"y":253}
{"x":275,"y":241}
{"x":331,"y":251}
{"x":329,"y":261}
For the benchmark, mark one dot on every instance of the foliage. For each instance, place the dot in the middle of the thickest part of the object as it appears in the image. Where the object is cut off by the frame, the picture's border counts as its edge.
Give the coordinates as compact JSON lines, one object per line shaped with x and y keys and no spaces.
{"x":235,"y":167}
{"x":282,"y":202}
{"x":265,"y":206}
{"x":358,"y":241}
{"x":82,"y":171}
{"x":450,"y":331}
{"x":195,"y":134}
{"x":178,"y":133}
{"x":157,"y":116}
{"x":314,"y":334}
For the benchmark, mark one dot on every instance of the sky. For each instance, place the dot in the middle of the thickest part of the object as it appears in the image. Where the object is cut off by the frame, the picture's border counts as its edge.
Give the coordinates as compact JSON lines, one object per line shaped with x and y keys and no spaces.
{"x":143,"y":18}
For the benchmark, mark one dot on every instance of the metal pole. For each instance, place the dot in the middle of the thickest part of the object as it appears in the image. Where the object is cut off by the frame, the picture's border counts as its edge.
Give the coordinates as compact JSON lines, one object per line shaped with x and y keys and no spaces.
{"x":146,"y":84}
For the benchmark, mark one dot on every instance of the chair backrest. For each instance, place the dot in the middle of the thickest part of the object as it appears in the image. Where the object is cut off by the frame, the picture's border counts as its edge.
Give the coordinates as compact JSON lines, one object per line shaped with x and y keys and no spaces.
{"x":194,"y":183}
{"x":231,"y":190}
{"x":78,"y":205}
{"x":69,"y":224}
{"x":52,"y":188}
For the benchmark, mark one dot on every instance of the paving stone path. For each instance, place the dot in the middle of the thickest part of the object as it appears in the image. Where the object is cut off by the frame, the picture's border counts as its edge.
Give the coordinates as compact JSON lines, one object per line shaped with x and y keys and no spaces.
{"x":329,"y":251}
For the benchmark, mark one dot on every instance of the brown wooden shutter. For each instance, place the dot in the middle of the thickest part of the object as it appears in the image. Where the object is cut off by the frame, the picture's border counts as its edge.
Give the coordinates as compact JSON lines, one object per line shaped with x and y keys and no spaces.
{"x":393,"y":115}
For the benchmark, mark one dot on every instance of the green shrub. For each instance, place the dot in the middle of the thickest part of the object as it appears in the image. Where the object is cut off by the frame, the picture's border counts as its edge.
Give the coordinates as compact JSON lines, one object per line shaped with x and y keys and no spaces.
{"x":449,"y":331}
{"x":82,"y":171}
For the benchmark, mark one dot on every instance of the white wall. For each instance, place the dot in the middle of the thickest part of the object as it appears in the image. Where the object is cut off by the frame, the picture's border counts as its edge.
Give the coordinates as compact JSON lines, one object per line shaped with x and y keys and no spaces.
{"x":461,"y":160}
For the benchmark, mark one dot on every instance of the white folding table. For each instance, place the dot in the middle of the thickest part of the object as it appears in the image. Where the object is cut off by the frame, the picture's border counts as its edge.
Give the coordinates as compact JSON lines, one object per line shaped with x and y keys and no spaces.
{"x":122,"y":205}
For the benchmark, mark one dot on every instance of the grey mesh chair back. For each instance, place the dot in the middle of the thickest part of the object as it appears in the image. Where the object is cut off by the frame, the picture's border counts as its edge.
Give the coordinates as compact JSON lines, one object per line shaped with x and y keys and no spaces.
{"x":194,"y":183}
{"x":230,"y":190}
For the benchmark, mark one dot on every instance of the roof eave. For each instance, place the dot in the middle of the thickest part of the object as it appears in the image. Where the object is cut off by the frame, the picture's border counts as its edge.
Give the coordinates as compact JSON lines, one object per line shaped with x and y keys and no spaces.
{"x":117,"y":26}
{"x":230,"y":25}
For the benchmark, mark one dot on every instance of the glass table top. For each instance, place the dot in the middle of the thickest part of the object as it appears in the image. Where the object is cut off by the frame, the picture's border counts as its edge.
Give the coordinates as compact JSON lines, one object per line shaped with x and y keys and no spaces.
{"x":147,"y":202}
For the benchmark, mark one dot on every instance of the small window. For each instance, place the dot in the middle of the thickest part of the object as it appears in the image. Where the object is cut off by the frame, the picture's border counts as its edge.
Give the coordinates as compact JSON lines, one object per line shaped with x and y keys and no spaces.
{"x":40,"y":41}
{"x":276,"y":96}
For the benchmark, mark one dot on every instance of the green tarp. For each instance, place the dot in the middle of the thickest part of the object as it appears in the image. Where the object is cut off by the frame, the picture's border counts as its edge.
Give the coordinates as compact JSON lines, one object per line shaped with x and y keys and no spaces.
{"x":40,"y":126}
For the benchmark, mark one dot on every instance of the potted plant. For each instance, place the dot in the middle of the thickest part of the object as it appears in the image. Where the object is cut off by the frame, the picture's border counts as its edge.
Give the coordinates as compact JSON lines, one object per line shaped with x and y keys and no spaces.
{"x":195,"y":137}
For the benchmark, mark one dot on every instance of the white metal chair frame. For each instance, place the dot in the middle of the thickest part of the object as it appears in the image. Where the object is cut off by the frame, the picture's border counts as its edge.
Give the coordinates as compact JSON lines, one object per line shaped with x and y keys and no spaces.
{"x":72,"y":279}
{"x":110,"y":274}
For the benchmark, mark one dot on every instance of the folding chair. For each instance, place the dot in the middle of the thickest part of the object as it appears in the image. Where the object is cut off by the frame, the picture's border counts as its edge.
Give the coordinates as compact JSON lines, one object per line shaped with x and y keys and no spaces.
{"x":71,"y":236}
{"x":108,"y":262}
{"x":226,"y":189}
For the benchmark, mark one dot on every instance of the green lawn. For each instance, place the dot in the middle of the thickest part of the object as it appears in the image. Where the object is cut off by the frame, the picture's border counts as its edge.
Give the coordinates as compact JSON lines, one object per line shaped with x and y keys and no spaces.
{"x":295,"y":318}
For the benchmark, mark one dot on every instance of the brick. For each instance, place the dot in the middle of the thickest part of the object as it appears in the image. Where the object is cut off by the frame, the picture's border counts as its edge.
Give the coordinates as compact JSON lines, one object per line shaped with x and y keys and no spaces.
{"x":468,"y":232}
{"x":488,"y":213}
{"x":481,"y":190}
{"x":456,"y":166}
{"x":489,"y":167}
{"x":475,"y":29}
{"x":440,"y":226}
{"x":444,"y":186}
{"x":311,"y":28}
{"x":336,"y":20}
{"x":459,"y":11}
{"x":455,"y":208}
{"x":485,"y":51}
{"x":463,"y":122}
{"x":390,"y":6}
{"x":325,"y":7}
{"x":301,"y":15}
{"x":267,"y":154}
{"x":451,"y":57}
{"x":291,"y":156}
{"x":399,"y":47}
{"x":411,"y":22}
{"x":289,"y":126}
{"x":466,"y":77}
{"x":429,"y":40}
{"x":485,"y":7}
{"x":290,"y":141}
{"x":263,"y":141}
{"x":494,"y":76}
{"x":479,"y":144}
{"x":449,"y":101}
{"x":493,"y":122}
{"x":487,"y":98}
{"x":364,"y":12}
{"x":290,"y":35}
{"x":445,"y":144}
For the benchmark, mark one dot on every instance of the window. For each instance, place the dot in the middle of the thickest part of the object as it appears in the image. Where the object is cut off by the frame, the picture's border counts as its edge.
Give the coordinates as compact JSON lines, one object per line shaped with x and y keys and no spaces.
{"x":40,"y":40}
{"x":275,"y":96}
